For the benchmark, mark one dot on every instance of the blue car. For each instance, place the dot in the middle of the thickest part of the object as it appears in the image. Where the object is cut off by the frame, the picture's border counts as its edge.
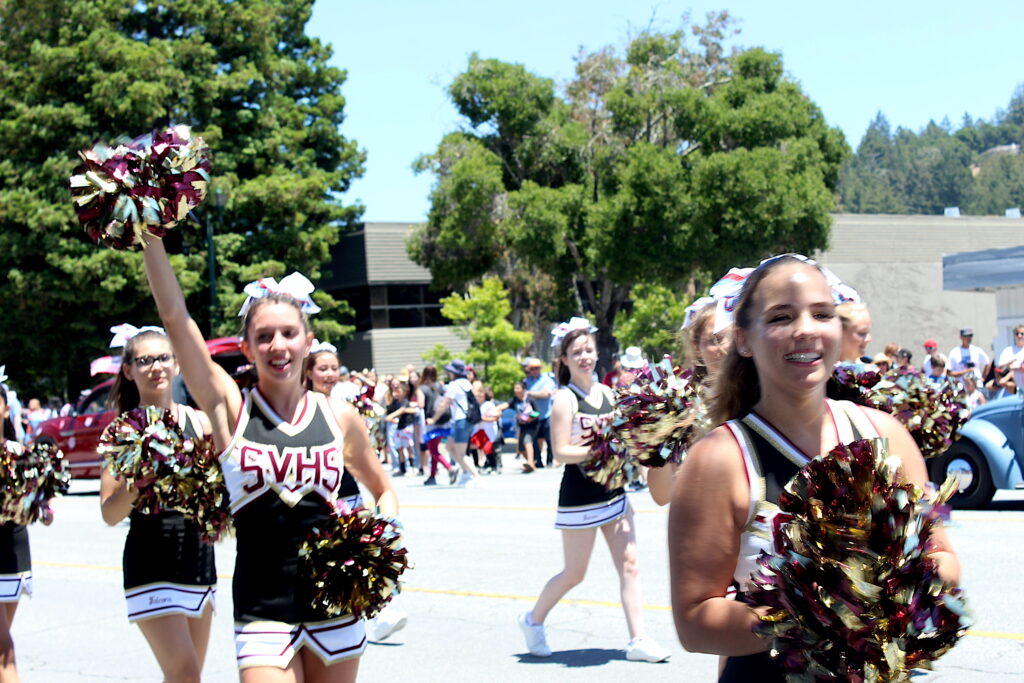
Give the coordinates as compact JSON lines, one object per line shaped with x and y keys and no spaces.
{"x":988,"y":456}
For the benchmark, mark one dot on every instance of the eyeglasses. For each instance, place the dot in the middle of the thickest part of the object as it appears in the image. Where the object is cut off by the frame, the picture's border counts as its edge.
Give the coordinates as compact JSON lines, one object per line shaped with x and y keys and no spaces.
{"x":146,"y":361}
{"x":1018,"y":334}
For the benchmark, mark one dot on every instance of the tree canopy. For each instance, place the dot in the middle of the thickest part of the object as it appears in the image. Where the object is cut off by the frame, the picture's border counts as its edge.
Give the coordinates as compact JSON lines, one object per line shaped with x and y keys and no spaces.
{"x":655,"y":166}
{"x":248,"y":80}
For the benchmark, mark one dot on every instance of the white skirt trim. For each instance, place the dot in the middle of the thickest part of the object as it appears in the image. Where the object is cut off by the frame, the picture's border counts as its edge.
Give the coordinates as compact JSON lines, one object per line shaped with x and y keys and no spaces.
{"x":274,"y":643}
{"x":160,"y":599}
{"x":13,"y":586}
{"x":590,"y":516}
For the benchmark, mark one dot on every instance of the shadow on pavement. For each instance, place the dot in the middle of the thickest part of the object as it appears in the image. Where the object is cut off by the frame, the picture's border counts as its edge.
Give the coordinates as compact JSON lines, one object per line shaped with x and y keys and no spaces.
{"x":575,"y":659}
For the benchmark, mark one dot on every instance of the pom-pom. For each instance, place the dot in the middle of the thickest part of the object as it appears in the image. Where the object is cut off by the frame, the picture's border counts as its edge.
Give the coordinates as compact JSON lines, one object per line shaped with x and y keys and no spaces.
{"x":853,"y":595}
{"x":30,"y":480}
{"x":610,"y":463}
{"x":932,"y":411}
{"x":354,"y":563}
{"x":660,"y":414}
{"x":146,"y":448}
{"x":146,"y":184}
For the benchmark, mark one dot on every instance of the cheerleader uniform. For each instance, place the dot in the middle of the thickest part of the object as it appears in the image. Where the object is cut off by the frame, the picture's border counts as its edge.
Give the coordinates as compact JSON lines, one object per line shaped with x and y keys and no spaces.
{"x":582,"y":502}
{"x":283,"y":480}
{"x":167,"y":568}
{"x":349,"y":491}
{"x":771,"y":461}
{"x":15,"y":556}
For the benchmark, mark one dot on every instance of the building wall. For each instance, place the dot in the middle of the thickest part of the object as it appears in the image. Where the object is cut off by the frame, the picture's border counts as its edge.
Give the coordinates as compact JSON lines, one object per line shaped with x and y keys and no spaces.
{"x":386,"y":258}
{"x":895,"y":263}
{"x":389,"y":350}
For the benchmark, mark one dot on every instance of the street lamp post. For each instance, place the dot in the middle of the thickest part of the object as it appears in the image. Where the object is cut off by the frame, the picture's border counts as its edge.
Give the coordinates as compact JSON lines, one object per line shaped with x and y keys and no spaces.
{"x":220,"y":200}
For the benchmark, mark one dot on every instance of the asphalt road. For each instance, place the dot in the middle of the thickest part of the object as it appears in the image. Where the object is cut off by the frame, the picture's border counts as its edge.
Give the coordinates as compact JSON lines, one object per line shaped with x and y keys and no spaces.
{"x":482,"y":555}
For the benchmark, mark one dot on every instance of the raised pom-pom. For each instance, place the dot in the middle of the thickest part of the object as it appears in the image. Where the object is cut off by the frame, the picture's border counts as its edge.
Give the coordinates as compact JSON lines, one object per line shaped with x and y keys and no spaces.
{"x":660,"y":414}
{"x":30,"y":479}
{"x":146,"y":448}
{"x":148,"y":184}
{"x":354,"y":563}
{"x":852,"y":592}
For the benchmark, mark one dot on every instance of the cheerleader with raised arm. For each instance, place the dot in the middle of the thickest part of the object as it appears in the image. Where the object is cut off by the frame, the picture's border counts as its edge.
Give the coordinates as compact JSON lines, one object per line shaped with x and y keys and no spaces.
{"x":774,"y":417}
{"x":169,"y":573}
{"x":584,"y":506}
{"x":282,"y":452}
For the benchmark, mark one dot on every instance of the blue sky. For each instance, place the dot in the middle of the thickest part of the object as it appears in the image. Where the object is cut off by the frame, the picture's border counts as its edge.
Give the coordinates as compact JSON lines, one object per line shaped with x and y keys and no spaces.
{"x":912,"y":60}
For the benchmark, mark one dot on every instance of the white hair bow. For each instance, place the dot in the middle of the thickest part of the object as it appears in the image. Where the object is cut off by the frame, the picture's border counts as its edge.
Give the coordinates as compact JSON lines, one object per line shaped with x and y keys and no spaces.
{"x":319,"y":346}
{"x":559,"y":331}
{"x":124,"y":332}
{"x":295,"y":285}
{"x":841,"y":292}
{"x":726,"y":292}
{"x":693,"y":309}
{"x":3,"y":373}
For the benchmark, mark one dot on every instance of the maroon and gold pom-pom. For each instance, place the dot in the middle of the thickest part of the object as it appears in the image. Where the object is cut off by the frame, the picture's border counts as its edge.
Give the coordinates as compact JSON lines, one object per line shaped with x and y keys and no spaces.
{"x":29,"y":479}
{"x":852,"y":591}
{"x":610,"y":463}
{"x":660,"y":414}
{"x":148,"y":449}
{"x":932,"y":411}
{"x":354,"y":564}
{"x":148,"y":184}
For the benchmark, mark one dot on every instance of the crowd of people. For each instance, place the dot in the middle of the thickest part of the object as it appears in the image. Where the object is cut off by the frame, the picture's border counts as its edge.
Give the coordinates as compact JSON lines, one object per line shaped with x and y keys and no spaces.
{"x":762,"y":347}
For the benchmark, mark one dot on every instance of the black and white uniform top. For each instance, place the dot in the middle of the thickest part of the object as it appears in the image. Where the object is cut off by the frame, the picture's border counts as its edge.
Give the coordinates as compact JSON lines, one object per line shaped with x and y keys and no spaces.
{"x":167,"y":568}
{"x":15,"y":556}
{"x":771,"y":461}
{"x":582,"y":502}
{"x":283,"y":480}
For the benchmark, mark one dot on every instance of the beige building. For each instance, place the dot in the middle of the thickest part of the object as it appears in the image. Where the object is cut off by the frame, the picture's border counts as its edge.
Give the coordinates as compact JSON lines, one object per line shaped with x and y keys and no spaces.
{"x":398,"y":316}
{"x":896,"y":264}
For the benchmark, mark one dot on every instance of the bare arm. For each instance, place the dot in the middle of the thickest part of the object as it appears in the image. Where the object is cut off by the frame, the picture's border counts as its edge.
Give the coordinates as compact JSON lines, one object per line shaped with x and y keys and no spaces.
{"x":661,"y":482}
{"x":902,"y":445}
{"x":116,"y":499}
{"x":360,"y":459}
{"x":561,"y":431}
{"x":214,"y":390}
{"x":708,"y":513}
{"x":442,"y":405}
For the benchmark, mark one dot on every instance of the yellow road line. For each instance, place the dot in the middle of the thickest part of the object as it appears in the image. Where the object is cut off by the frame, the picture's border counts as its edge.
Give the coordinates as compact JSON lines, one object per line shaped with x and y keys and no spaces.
{"x":511,"y":596}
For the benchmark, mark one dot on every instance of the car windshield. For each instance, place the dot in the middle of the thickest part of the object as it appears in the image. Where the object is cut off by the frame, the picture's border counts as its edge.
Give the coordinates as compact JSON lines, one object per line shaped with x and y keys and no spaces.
{"x":96,"y":402}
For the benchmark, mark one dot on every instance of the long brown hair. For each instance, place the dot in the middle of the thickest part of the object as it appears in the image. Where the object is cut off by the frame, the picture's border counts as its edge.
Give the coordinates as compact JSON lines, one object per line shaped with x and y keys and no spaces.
{"x":124,"y":395}
{"x":310,"y":361}
{"x":563,"y":368}
{"x":737,"y":386}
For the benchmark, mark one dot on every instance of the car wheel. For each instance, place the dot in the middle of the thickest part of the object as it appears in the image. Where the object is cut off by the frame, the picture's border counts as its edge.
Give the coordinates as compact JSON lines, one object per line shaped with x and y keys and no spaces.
{"x":964,"y":461}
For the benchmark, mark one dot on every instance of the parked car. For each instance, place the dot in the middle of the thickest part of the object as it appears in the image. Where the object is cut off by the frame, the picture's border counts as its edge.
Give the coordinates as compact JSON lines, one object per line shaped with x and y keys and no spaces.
{"x":78,"y":433}
{"x":988,"y":456}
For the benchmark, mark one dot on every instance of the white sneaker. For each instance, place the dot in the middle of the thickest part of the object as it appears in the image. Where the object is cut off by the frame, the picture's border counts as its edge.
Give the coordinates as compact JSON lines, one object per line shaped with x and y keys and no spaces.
{"x":385,"y":624}
{"x":536,"y":637}
{"x":467,"y":480}
{"x":644,"y":649}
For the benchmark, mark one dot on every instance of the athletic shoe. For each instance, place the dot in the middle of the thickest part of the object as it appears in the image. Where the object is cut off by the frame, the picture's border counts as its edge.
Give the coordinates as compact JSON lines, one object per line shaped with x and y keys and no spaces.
{"x":466,"y":479}
{"x":385,"y":624}
{"x":453,"y":475}
{"x":536,"y":637}
{"x":430,"y":481}
{"x":646,"y":650}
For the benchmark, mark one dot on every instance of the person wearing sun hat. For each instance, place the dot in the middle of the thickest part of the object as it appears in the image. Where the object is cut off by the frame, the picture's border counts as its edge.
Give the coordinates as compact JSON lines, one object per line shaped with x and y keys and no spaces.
{"x":456,"y":397}
{"x":541,"y":387}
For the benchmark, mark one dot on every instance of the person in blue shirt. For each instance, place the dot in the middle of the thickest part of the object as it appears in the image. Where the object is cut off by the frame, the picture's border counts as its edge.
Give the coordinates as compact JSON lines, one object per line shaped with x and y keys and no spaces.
{"x":540,"y":388}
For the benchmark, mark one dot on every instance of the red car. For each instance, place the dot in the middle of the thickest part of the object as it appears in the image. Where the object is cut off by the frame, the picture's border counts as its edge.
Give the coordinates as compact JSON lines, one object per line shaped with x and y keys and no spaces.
{"x":79,"y":433}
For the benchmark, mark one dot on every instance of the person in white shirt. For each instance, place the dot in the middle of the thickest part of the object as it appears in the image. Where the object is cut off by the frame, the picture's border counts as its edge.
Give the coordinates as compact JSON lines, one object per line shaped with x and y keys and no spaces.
{"x":456,"y":397}
{"x":1012,"y":357}
{"x":345,"y":389}
{"x":967,"y":357}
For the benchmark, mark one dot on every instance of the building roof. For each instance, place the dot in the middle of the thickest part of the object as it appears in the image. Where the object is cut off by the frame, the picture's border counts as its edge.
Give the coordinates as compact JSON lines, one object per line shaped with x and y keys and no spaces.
{"x":985,"y":269}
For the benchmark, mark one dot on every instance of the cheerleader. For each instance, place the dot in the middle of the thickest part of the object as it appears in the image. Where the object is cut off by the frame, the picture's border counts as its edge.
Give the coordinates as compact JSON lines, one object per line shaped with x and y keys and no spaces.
{"x":15,"y":558}
{"x":770,"y":402}
{"x":282,"y":451}
{"x":169,"y":575}
{"x":322,"y":374}
{"x":584,"y":506}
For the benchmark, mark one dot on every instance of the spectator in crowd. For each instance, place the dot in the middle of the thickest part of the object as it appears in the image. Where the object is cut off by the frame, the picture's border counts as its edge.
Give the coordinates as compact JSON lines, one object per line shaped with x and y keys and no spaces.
{"x":882,"y":362}
{"x":937,"y":365}
{"x":526,"y":425}
{"x":931,"y":348}
{"x":456,"y":397}
{"x":903,"y":358}
{"x":35,"y":414}
{"x":429,"y":393}
{"x":1011,"y":359}
{"x":609,"y":377}
{"x":401,"y":417}
{"x":974,"y":397}
{"x":345,"y":389}
{"x":890,"y":350}
{"x":540,"y":386}
{"x":967,"y":357}
{"x":632,"y":361}
{"x":486,"y":435}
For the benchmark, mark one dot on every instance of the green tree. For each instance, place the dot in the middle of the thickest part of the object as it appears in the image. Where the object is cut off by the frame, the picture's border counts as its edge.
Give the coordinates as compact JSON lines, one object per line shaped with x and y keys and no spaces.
{"x":999,"y":184}
{"x":651,"y":167}
{"x":481,"y":316}
{"x":653,"y":322}
{"x":245,"y":76}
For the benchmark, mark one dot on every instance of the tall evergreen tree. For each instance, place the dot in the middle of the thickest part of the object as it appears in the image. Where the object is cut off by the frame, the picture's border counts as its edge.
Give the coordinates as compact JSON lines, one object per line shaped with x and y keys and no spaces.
{"x":245,"y":76}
